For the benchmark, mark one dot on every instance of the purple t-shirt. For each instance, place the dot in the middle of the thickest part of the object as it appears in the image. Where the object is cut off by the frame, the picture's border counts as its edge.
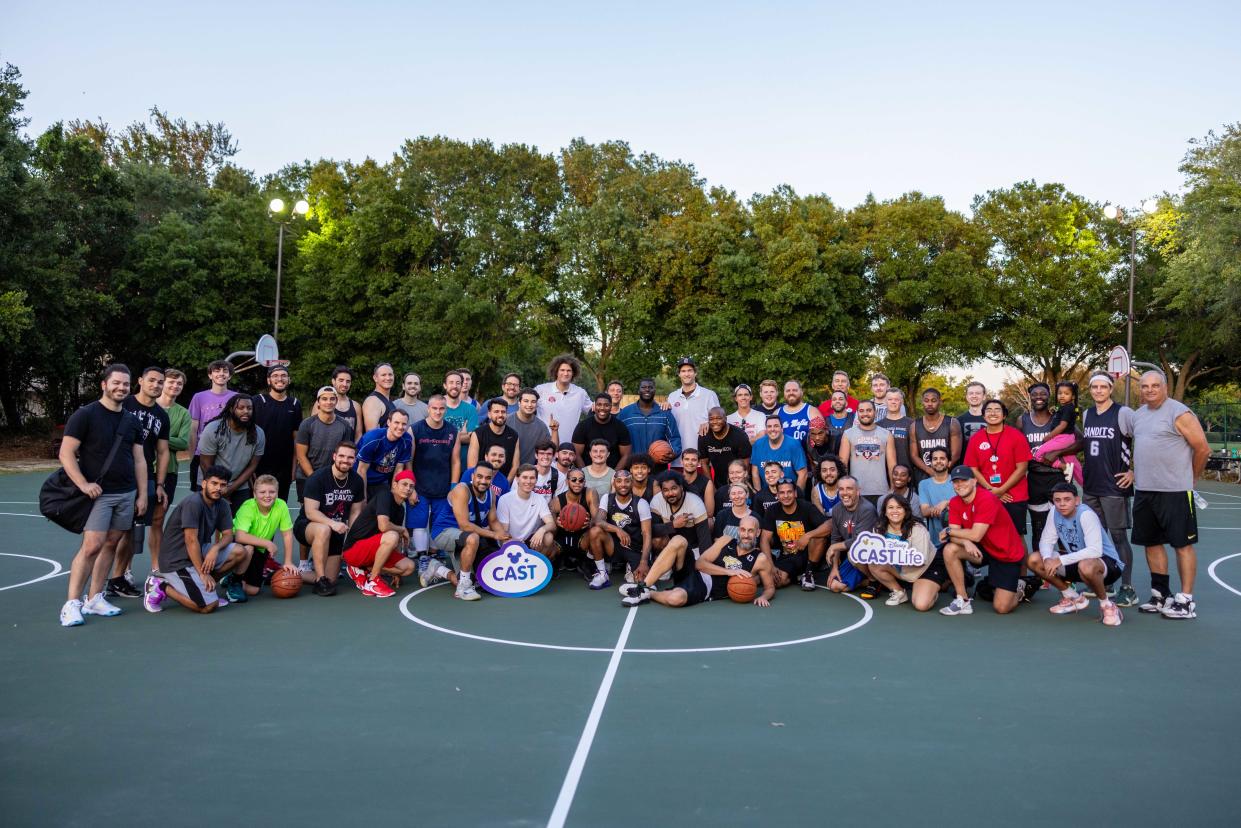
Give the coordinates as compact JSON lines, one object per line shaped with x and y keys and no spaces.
{"x":205,"y":406}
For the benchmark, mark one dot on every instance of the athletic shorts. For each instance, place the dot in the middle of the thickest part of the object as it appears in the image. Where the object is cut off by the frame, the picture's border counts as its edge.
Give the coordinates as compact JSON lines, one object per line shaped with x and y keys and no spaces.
{"x":258,"y":564}
{"x":1109,"y":577}
{"x":1039,"y":485}
{"x":1165,"y":517}
{"x":189,"y":583}
{"x":697,"y":588}
{"x":363,"y":552}
{"x":1002,"y":574}
{"x":429,"y":511}
{"x":144,"y":519}
{"x":170,"y":486}
{"x":849,"y":574}
{"x":453,"y":539}
{"x":795,"y":563}
{"x":113,"y":512}
{"x":569,"y":541}
{"x":937,"y":572}
{"x":1017,"y":511}
{"x":1112,"y":510}
{"x":335,"y":546}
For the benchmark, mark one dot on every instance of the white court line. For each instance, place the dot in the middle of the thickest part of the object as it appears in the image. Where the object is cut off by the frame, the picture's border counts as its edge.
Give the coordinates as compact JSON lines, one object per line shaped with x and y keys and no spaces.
{"x":1216,"y":578}
{"x":19,"y":514}
{"x":569,"y":788}
{"x":1219,"y":494}
{"x":56,"y":570}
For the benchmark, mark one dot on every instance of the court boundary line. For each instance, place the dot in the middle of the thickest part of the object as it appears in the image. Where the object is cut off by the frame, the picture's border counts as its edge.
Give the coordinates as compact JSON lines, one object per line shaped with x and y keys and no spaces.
{"x":1217,"y":579}
{"x":57,"y":569}
{"x":403,"y":606}
{"x":568,"y":789}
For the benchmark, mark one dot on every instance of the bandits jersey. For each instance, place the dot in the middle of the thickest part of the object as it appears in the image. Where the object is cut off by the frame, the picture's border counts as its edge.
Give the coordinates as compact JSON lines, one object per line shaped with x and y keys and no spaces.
{"x":1107,"y":450}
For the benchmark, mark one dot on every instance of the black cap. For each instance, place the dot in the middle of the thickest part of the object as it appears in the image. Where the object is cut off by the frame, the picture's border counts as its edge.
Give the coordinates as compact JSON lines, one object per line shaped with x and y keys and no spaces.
{"x":568,"y":446}
{"x":961,"y":473}
{"x":683,"y":361}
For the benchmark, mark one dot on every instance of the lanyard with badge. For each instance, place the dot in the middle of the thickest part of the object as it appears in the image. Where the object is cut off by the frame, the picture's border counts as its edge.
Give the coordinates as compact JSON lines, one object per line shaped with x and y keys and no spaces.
{"x":995,"y":479}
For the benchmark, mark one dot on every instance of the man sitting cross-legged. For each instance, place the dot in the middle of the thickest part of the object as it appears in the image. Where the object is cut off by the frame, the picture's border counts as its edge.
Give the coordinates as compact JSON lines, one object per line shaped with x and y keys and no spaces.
{"x":708,"y":579}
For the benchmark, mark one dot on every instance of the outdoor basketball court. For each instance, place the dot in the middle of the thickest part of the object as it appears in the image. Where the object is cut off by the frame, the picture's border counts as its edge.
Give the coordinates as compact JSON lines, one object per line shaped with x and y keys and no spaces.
{"x":565,"y":708}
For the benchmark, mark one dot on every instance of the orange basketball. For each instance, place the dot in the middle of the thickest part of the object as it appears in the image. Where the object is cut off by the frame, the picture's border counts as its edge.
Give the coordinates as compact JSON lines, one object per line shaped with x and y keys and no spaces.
{"x":661,"y":451}
{"x":573,"y":517}
{"x":742,"y":589}
{"x":286,"y":584}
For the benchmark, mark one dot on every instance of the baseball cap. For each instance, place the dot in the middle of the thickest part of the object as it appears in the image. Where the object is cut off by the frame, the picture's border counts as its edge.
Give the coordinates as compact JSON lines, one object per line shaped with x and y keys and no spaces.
{"x":961,"y":473}
{"x":741,"y":386}
{"x":327,"y":389}
{"x":683,"y":361}
{"x":566,"y":447}
{"x":405,"y":474}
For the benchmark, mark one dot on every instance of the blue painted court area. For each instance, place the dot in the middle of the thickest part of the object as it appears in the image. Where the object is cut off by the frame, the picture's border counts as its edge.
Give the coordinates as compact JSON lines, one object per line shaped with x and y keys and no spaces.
{"x":566,"y":709}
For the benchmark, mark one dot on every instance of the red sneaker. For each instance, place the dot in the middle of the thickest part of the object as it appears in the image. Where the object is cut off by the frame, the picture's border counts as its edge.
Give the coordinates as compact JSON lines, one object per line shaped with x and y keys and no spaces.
{"x":378,"y":588}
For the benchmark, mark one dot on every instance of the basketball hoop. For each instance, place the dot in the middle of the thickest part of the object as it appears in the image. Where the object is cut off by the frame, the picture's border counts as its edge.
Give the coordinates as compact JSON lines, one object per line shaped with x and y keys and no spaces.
{"x":1118,"y":362}
{"x":266,"y":353}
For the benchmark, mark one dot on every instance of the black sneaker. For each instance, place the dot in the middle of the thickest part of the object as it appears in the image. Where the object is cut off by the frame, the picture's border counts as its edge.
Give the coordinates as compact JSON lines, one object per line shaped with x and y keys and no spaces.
{"x":1029,"y":589}
{"x":324,"y":587}
{"x":121,"y":588}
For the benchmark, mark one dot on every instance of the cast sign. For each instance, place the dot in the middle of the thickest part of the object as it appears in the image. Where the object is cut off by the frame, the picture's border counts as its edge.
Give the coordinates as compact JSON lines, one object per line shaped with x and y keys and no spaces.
{"x":872,"y":548}
{"x":514,"y":571}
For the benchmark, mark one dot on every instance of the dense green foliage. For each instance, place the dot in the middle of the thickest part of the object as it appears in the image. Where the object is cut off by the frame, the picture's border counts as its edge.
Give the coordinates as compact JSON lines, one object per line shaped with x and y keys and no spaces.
{"x":148,"y":245}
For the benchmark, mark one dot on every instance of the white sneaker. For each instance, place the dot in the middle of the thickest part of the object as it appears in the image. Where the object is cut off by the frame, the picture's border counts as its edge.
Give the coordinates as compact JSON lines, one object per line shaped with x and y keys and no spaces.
{"x":71,"y":614}
{"x":959,"y":606}
{"x":897,"y":598}
{"x":306,"y":566}
{"x":600,"y":581}
{"x":100,"y":606}
{"x":629,"y":579}
{"x":430,"y":575}
{"x":466,"y":591}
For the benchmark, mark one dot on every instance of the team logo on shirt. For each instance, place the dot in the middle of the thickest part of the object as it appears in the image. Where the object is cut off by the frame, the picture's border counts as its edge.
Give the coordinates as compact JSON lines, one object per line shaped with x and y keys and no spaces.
{"x":868,"y":451}
{"x":872,"y":548}
{"x":514,"y":571}
{"x":619,"y":519}
{"x":730,"y":562}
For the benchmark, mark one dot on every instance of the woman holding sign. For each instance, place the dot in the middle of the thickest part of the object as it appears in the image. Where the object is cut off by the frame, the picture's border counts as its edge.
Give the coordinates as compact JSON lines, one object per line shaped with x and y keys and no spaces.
{"x":897,"y":524}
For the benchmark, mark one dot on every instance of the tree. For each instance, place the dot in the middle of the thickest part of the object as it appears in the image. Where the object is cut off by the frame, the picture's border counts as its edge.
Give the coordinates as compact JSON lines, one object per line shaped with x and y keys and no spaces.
{"x":926,"y":267}
{"x":1054,"y":301}
{"x":197,"y":151}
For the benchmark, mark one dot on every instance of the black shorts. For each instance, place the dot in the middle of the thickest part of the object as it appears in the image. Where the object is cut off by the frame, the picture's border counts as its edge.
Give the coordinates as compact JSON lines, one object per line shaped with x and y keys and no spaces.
{"x":937,"y":572}
{"x":1002,"y":574}
{"x":170,"y":486}
{"x":1112,"y":511}
{"x":254,"y":572}
{"x":569,"y":541}
{"x":696,"y":590}
{"x":794,"y":564}
{"x":239,"y":497}
{"x":1113,"y":572}
{"x":1164,"y":517}
{"x":144,"y":519}
{"x":1017,"y":511}
{"x":335,"y":546}
{"x":1039,"y":484}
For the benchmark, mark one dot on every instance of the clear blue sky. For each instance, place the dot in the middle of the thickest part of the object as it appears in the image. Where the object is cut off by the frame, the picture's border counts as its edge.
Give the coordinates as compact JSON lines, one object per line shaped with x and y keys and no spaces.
{"x":951,"y":99}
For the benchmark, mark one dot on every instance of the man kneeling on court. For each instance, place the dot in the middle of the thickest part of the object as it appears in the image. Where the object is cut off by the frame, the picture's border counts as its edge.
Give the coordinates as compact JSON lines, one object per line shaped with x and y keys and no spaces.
{"x":333,"y":499}
{"x":738,"y":557}
{"x":981,"y":532}
{"x":1091,"y":557}
{"x":470,"y":531}
{"x":191,"y":556}
{"x":377,"y":537}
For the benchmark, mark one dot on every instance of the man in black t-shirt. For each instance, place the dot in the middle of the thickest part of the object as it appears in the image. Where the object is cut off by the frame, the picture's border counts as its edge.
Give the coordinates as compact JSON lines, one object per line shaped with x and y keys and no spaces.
{"x":795,"y":535}
{"x":495,"y":432}
{"x":722,"y":444}
{"x":334,"y":498}
{"x":118,"y":492}
{"x":377,"y":537}
{"x":602,"y":425}
{"x":279,"y":414}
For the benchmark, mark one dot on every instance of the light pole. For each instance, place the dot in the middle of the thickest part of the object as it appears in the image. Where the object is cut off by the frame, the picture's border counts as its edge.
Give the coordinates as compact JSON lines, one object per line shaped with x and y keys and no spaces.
{"x":301,"y":208}
{"x":1150,"y":206}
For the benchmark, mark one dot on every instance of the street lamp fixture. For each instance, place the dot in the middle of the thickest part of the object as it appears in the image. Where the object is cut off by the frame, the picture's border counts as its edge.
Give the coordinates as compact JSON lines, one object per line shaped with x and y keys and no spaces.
{"x":276,"y":208}
{"x":1114,"y":213}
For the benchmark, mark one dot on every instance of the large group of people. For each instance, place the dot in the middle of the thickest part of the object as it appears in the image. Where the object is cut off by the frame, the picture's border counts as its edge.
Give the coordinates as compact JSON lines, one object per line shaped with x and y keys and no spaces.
{"x":672,"y":498}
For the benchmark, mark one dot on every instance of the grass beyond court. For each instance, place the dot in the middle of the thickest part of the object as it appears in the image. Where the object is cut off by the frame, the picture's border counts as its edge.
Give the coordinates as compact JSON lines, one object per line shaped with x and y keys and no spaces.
{"x":346,"y":710}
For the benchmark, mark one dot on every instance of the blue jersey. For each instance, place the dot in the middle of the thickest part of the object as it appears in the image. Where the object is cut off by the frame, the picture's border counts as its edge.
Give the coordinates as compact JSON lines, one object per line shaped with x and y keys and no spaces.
{"x":789,"y":455}
{"x":433,"y":458}
{"x":383,"y":455}
{"x":796,"y":426}
{"x":478,"y":510}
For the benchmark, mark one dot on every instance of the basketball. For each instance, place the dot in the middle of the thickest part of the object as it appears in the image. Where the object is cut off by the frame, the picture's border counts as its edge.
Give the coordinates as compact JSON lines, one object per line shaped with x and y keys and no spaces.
{"x":742,"y":589}
{"x":661,"y":451}
{"x":573,"y":517}
{"x":286,"y":584}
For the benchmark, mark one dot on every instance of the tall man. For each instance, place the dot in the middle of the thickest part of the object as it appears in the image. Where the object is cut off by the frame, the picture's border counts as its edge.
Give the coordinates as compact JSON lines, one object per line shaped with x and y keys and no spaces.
{"x":409,"y":402}
{"x":495,"y":432}
{"x":102,"y":454}
{"x":531,"y":431}
{"x":561,"y":402}
{"x":602,"y":425}
{"x":648,"y":422}
{"x":233,"y":440}
{"x":1169,"y":453}
{"x":933,"y":430}
{"x":144,"y":405}
{"x":869,"y":452}
{"x":689,"y":404}
{"x":795,"y":413}
{"x":1036,"y":425}
{"x":205,"y":406}
{"x":279,"y":414}
{"x":378,"y":404}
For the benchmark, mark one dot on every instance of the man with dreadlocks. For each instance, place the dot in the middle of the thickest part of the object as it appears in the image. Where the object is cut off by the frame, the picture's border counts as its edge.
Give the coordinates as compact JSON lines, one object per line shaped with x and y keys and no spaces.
{"x":233,"y":440}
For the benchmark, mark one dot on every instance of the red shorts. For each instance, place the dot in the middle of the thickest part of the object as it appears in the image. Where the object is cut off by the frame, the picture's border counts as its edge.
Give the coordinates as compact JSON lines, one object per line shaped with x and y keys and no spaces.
{"x":363,"y":553}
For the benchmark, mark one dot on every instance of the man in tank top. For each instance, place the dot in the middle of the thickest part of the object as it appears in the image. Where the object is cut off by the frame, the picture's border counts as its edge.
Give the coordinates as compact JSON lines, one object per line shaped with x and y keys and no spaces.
{"x":933,"y":430}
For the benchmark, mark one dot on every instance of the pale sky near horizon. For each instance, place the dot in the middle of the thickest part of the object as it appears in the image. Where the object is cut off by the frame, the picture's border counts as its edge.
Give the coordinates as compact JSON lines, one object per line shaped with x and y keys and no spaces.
{"x":950,"y":99}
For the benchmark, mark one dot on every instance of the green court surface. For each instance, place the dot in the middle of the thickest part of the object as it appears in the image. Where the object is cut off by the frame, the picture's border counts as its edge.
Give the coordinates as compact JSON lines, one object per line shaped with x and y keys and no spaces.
{"x":566,"y":709}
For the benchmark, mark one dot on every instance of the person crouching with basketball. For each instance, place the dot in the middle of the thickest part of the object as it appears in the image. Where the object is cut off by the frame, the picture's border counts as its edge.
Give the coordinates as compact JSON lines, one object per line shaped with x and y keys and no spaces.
{"x":255,"y":527}
{"x":196,"y":548}
{"x":377,"y":537}
{"x":708,"y":580}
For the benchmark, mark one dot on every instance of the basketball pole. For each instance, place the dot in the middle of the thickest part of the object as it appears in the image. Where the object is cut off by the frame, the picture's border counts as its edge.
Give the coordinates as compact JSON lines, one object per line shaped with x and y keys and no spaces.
{"x":1133,"y":255}
{"x":275,"y":325}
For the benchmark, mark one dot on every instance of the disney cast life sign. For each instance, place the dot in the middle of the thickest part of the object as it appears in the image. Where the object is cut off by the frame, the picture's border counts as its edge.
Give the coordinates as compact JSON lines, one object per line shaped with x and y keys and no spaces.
{"x":872,"y":548}
{"x":514,"y":571}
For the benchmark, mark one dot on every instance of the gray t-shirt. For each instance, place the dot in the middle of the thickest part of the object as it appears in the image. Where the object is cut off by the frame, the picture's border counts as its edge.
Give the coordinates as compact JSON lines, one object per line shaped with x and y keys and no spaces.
{"x":603,"y":484}
{"x":191,"y":513}
{"x":231,"y":448}
{"x":321,"y":440}
{"x":868,"y":458}
{"x":530,"y":435}
{"x":1162,"y":459}
{"x":416,"y":410}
